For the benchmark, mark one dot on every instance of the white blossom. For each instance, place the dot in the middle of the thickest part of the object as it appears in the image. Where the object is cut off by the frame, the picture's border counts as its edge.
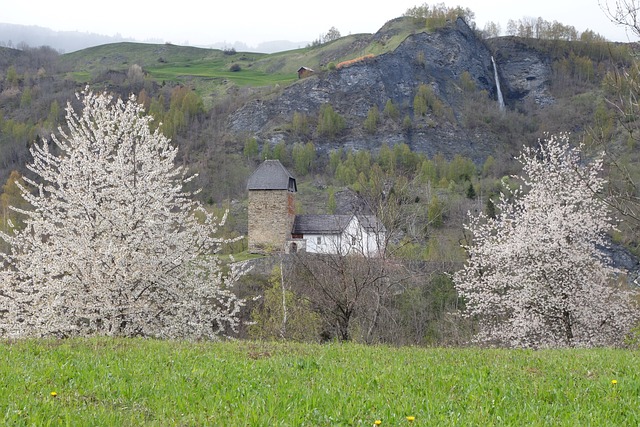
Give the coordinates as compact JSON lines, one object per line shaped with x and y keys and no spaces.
{"x":536,"y":275}
{"x":114,"y":244}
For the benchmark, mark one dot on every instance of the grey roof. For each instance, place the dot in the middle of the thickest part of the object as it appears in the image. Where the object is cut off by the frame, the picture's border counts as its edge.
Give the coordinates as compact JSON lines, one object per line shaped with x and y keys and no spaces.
{"x":332,"y":224}
{"x":320,"y":224}
{"x":271,"y":175}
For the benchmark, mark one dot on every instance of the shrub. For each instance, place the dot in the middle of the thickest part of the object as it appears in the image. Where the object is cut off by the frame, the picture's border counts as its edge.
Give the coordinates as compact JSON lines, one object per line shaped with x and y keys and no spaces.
{"x":344,"y":64}
{"x":371,"y":122}
{"x":330,"y":123}
{"x":390,"y":110}
{"x":407,"y":124}
{"x":300,"y":124}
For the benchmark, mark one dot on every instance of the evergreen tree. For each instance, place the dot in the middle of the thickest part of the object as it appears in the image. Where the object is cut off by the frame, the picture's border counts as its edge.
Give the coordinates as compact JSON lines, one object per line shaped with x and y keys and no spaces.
{"x":471,"y":192}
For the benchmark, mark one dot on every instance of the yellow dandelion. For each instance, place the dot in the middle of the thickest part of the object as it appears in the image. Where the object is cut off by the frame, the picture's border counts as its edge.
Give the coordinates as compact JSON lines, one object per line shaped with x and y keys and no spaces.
{"x":54,"y":394}
{"x":377,"y":422}
{"x":411,"y":418}
{"x":614,"y":382}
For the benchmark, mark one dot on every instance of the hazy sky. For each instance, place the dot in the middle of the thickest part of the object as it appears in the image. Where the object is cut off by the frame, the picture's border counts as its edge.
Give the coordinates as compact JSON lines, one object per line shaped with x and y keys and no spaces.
{"x":254,"y":21}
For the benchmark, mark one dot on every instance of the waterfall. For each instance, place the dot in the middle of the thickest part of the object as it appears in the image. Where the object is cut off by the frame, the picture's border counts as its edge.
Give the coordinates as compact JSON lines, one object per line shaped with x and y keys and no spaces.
{"x":495,"y":73}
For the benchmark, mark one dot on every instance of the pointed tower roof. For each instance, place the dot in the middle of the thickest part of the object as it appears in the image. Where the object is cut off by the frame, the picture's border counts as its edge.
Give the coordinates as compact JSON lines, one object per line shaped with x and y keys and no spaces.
{"x":271,"y":175}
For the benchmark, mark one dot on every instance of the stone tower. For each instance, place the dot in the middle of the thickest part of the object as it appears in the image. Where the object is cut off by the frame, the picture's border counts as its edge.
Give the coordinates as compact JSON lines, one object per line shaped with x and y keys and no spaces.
{"x":271,"y":207}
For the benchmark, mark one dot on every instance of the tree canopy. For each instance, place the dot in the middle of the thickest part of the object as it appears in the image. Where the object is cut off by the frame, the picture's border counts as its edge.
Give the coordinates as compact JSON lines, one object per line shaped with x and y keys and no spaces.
{"x":536,"y":274}
{"x":112,"y":243}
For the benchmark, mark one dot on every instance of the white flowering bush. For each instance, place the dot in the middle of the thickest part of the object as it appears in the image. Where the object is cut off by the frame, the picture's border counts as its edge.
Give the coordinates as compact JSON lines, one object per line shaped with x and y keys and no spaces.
{"x":113,"y":244}
{"x":536,"y":275}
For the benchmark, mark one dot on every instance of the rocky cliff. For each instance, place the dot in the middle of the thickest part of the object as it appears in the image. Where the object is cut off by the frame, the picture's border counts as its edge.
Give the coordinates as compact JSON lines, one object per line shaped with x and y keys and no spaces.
{"x":437,"y":59}
{"x":525,"y":73}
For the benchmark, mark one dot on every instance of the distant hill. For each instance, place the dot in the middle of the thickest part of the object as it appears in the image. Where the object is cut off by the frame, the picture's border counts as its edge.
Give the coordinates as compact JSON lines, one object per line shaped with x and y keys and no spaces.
{"x":15,"y":36}
{"x":264,"y":47}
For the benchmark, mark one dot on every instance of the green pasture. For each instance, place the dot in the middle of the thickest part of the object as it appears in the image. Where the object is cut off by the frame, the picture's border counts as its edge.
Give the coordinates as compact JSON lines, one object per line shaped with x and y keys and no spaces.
{"x":130,"y":382}
{"x":201,"y":67}
{"x":220,"y":73}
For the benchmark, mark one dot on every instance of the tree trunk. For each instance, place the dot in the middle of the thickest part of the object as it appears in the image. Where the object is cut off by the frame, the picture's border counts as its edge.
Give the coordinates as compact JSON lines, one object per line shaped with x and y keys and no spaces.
{"x":343,"y":326}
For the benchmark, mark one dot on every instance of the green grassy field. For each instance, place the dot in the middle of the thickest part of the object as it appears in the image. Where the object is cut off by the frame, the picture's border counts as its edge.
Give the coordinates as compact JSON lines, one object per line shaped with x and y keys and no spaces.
{"x":123,"y":382}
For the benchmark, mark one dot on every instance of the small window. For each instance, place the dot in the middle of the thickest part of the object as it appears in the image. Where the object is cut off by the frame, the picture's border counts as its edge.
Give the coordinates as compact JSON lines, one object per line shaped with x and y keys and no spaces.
{"x":354,"y":240}
{"x":318,"y":240}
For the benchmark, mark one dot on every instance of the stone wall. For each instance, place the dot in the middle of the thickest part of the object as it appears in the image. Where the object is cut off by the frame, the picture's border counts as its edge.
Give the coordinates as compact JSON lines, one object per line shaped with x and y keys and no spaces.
{"x":271,"y":214}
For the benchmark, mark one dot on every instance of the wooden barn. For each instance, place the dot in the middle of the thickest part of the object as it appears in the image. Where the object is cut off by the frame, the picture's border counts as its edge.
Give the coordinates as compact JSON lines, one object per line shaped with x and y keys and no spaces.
{"x":304,"y":72}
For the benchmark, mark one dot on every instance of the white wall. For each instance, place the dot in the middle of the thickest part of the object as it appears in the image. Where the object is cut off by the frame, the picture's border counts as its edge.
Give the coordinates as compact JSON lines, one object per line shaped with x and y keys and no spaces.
{"x":354,"y":240}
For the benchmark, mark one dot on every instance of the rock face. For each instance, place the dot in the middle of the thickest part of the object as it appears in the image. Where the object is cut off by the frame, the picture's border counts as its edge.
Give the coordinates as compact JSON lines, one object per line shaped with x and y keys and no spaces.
{"x":525,"y":73}
{"x":437,"y":59}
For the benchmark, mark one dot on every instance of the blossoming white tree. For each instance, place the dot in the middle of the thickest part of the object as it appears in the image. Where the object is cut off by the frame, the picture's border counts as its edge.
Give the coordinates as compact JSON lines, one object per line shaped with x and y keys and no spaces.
{"x":114,"y":244}
{"x":536,"y":275}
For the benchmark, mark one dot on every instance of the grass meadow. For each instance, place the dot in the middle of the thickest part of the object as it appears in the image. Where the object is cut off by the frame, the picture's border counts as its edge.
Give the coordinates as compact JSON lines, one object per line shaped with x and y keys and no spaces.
{"x":131,"y":382}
